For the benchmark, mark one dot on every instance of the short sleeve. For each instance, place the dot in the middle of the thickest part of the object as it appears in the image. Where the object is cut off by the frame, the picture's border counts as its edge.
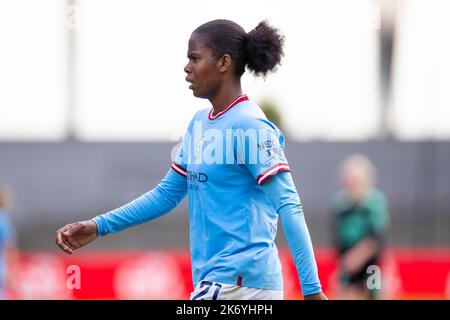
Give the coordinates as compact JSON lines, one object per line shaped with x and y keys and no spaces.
{"x":379,"y":214}
{"x":260,"y":147}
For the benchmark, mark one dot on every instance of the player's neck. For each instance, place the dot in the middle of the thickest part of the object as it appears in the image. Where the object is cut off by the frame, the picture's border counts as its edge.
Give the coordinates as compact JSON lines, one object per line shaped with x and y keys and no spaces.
{"x":225,"y":97}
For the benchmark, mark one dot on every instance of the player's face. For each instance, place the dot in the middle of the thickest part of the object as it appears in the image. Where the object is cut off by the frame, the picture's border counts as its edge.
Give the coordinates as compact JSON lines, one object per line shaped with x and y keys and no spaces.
{"x":202,"y":69}
{"x":356,"y":182}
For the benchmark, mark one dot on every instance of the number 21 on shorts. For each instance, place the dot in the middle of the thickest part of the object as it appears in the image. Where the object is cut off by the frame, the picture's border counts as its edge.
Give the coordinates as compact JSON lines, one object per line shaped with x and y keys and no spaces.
{"x":208,"y":289}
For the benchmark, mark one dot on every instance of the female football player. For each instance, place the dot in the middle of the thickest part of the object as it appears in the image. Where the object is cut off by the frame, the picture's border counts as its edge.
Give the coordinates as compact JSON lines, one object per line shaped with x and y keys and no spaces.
{"x":231,"y":163}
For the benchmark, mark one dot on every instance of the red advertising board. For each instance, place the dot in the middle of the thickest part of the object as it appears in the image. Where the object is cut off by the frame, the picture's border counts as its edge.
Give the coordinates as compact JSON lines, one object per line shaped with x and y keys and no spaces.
{"x":154,"y":274}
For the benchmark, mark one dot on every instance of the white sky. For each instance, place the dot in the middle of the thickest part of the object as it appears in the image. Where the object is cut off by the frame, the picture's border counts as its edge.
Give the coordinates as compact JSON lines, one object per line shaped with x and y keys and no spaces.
{"x":421,"y":83}
{"x":131,"y":53}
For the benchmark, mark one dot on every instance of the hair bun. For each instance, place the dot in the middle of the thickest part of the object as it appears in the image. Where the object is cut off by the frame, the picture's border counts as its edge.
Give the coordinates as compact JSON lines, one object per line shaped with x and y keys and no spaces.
{"x":264,"y":46}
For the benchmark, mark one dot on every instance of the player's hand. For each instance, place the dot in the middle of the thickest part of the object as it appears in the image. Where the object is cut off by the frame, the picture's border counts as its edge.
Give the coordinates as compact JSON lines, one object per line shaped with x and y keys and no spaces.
{"x":316,"y":296}
{"x":355,"y":258}
{"x":75,"y":235}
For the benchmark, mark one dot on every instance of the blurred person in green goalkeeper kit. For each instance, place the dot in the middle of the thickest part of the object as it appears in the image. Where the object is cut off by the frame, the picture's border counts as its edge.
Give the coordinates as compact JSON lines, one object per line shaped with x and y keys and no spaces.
{"x":360,"y":221}
{"x":8,"y":251}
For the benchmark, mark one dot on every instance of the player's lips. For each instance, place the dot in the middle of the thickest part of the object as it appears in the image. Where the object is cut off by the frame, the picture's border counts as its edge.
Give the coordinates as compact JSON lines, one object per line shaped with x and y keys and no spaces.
{"x":190,"y":81}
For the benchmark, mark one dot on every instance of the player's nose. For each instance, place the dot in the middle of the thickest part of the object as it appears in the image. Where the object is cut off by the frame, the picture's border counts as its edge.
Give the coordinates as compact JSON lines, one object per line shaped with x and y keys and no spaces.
{"x":187,"y":68}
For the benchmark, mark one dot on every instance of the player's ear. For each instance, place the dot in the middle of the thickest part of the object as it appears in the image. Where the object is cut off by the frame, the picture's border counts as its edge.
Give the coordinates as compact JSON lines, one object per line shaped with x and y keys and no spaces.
{"x":224,"y":63}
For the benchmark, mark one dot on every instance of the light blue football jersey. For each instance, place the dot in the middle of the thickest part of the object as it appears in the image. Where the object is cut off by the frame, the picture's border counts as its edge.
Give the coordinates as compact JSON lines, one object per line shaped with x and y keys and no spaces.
{"x":226,"y":158}
{"x":226,"y":164}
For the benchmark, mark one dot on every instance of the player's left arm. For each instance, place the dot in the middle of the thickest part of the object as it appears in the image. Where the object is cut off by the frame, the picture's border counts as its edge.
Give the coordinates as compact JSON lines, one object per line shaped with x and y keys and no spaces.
{"x":281,"y":191}
{"x":260,"y":146}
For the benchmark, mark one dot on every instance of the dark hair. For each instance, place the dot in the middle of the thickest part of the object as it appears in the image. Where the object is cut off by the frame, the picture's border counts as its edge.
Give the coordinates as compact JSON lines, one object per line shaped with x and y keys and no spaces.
{"x":260,"y":50}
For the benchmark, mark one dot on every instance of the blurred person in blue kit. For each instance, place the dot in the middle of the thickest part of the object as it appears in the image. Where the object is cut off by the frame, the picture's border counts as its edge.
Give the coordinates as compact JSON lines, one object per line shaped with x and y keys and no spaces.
{"x":8,"y":249}
{"x":360,"y":222}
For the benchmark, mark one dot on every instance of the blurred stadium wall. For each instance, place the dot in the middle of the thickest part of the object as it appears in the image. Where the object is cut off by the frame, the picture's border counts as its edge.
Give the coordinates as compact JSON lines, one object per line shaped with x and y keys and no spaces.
{"x":55,"y":183}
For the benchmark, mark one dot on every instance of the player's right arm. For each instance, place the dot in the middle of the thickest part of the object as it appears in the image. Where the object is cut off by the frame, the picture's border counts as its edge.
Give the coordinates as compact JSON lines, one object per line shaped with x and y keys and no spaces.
{"x":151,"y":205}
